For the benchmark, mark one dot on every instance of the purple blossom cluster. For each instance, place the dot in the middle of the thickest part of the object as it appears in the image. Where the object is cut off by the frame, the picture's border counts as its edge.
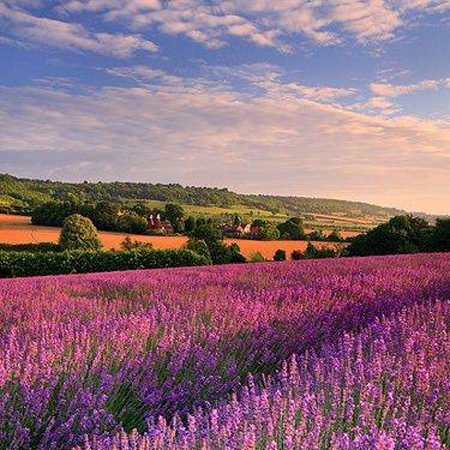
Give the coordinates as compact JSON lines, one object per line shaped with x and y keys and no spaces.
{"x":168,"y":353}
{"x":385,"y":388}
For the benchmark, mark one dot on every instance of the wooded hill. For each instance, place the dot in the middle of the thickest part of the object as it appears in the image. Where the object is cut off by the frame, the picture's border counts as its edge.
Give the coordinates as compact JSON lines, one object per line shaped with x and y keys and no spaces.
{"x":21,"y":195}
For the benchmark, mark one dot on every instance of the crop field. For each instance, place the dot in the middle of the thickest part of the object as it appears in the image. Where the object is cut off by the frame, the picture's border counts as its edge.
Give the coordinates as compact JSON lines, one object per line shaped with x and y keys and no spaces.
{"x":340,"y":354}
{"x":19,"y":230}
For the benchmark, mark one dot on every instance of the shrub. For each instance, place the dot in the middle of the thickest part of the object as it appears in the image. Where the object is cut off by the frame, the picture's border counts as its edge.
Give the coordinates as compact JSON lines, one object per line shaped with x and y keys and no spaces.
{"x":296,"y":255}
{"x":280,"y":255}
{"x":313,"y":252}
{"x":128,"y":244}
{"x":35,"y":248}
{"x":219,"y":252}
{"x":20,"y":264}
{"x":198,"y":246}
{"x":257,"y":257}
{"x":269,"y":232}
{"x":79,"y":233}
{"x":335,"y":236}
{"x":236,"y":255}
{"x":292,"y":229}
{"x":130,"y":222}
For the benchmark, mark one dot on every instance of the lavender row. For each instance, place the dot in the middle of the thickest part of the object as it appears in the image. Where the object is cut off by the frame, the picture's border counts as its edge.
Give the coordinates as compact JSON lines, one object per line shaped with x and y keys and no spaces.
{"x":386,"y":388}
{"x":88,"y":355}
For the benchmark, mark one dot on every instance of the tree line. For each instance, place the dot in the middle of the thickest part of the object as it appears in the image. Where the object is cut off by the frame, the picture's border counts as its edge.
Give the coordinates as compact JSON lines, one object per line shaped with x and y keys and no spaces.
{"x":22,"y":195}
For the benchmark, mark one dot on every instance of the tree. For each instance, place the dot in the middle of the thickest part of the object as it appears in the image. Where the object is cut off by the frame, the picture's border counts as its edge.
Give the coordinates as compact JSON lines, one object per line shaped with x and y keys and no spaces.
{"x":189,"y":224}
{"x":199,"y":246}
{"x":128,"y":245}
{"x":317,"y":235}
{"x":402,"y":234}
{"x":313,"y":252}
{"x":142,"y":209}
{"x":237,"y":221}
{"x":105,"y":215}
{"x":174,"y":214}
{"x":257,"y":257}
{"x":79,"y":233}
{"x":335,"y":236}
{"x":292,"y":229}
{"x":269,"y":232}
{"x":440,"y":238}
{"x":258,"y":223}
{"x":280,"y":255}
{"x":213,"y":238}
{"x":200,"y":222}
{"x":130,"y":222}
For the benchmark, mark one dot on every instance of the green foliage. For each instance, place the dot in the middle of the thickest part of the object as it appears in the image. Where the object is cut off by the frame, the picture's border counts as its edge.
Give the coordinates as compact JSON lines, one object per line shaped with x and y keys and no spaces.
{"x":42,"y":247}
{"x":189,"y":224}
{"x":20,"y":264}
{"x":296,"y":255}
{"x":280,"y":255}
{"x":269,"y":232}
{"x":402,"y":234}
{"x":198,"y":246}
{"x":30,"y":193}
{"x":257,"y":257}
{"x":258,"y":223}
{"x":79,"y":233}
{"x":142,"y":209}
{"x":335,"y":236}
{"x":220,"y":253}
{"x":440,"y":238}
{"x":317,"y":235}
{"x":130,"y":222}
{"x":235,"y":254}
{"x":106,"y":215}
{"x":313,"y":252}
{"x":292,"y":229}
{"x":175,"y":214}
{"x":128,"y":244}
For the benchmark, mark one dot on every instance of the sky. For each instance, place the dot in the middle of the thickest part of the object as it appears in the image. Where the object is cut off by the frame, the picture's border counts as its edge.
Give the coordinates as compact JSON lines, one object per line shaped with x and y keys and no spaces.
{"x":344,"y":99}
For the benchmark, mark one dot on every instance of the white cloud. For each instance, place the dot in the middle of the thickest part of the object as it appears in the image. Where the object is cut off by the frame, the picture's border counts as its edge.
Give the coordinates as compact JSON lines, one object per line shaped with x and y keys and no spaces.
{"x":71,"y":36}
{"x":275,"y":141}
{"x":264,"y":22}
{"x":392,"y":90}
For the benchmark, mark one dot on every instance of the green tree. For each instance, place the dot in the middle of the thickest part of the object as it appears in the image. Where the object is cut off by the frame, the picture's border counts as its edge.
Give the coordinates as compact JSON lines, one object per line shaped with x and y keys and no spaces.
{"x":213,"y":238}
{"x":258,"y":223}
{"x":257,"y":257}
{"x":237,"y":220}
{"x":79,"y":233}
{"x":189,"y":224}
{"x":269,"y":232}
{"x":199,"y":246}
{"x":280,"y":255}
{"x":128,"y":244}
{"x":440,"y":238}
{"x":292,"y":229}
{"x":142,"y":209}
{"x":402,"y":234}
{"x":130,"y":222}
{"x":105,"y":215}
{"x":174,"y":214}
{"x":335,"y":236}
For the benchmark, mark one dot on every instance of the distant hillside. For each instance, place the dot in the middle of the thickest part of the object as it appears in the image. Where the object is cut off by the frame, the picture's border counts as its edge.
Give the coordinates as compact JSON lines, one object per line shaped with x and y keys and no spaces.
{"x":22,"y":195}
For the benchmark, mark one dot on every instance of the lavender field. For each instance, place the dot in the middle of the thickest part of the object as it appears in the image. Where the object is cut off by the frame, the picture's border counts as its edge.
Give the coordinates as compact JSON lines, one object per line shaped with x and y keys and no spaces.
{"x":335,"y":354}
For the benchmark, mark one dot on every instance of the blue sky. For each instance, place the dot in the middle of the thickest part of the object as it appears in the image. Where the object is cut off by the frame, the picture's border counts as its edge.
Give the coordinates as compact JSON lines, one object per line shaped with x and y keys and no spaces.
{"x":327,"y":98}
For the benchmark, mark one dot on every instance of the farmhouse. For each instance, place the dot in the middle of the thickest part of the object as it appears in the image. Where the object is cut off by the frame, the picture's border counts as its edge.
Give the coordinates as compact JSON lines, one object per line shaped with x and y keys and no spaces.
{"x":158,"y":225}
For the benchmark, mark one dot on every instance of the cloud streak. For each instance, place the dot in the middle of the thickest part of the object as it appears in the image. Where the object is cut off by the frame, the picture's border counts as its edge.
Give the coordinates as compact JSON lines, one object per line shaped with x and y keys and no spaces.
{"x":274,"y":141}
{"x":71,"y":36}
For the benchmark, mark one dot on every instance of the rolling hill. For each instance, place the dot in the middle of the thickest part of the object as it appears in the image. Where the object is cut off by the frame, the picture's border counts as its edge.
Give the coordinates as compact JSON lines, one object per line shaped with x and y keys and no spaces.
{"x":22,"y":195}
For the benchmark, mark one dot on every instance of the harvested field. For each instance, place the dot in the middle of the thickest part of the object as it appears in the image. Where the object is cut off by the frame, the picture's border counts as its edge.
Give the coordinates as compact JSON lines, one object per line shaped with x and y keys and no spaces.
{"x":19,"y":230}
